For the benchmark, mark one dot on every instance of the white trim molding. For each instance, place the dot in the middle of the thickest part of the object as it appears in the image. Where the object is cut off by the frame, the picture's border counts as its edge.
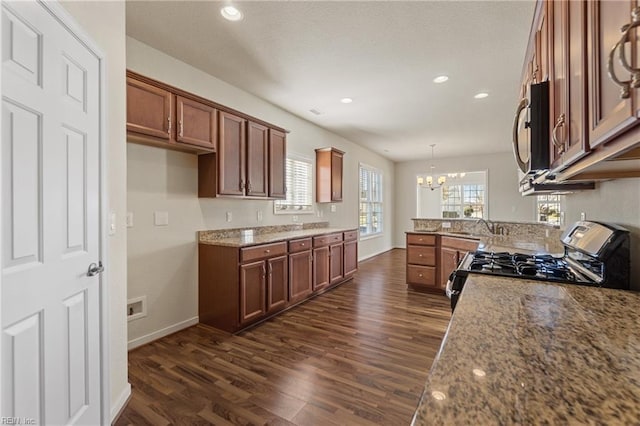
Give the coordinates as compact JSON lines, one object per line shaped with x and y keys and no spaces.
{"x":148,"y":338}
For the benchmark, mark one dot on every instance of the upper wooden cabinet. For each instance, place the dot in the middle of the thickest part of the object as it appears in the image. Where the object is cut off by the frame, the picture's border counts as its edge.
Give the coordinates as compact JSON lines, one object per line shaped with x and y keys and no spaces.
{"x":329,"y":175}
{"x":197,"y":123}
{"x":149,"y":109}
{"x":611,"y":102}
{"x":257,"y":159}
{"x":592,"y":54}
{"x":231,"y":155}
{"x":567,"y":26}
{"x":277,"y":164}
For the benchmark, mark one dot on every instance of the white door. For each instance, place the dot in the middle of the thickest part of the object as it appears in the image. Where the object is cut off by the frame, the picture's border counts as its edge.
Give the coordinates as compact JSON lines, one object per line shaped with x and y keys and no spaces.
{"x":50,"y":221}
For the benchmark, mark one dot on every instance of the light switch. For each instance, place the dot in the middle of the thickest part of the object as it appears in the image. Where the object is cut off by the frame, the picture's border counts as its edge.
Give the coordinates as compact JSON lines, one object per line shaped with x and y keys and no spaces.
{"x":333,"y":208}
{"x":112,"y":223}
{"x":161,"y":218}
{"x":129,"y":219}
{"x":259,"y":215}
{"x":229,"y":216}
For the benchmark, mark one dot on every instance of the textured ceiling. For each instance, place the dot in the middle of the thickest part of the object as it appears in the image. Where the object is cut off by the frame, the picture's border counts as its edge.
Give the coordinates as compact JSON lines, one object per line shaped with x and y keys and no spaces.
{"x":303,"y":55}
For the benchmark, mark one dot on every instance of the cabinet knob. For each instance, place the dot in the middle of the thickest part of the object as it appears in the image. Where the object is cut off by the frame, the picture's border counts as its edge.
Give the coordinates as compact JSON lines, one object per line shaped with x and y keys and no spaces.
{"x":420,"y":275}
{"x":420,"y":255}
{"x":267,"y":251}
{"x":301,"y":244}
{"x":419,"y":239}
{"x":169,"y":125}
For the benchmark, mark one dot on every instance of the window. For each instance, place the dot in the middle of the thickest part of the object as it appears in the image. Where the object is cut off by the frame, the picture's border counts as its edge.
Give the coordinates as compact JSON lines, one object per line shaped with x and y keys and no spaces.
{"x":370,"y":201}
{"x":548,"y":209}
{"x":299,"y":178}
{"x":462,"y":201}
{"x":463,"y":195}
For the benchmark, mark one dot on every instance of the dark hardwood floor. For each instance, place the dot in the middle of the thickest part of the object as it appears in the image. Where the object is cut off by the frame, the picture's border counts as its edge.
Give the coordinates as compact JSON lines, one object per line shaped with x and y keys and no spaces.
{"x":356,"y":355}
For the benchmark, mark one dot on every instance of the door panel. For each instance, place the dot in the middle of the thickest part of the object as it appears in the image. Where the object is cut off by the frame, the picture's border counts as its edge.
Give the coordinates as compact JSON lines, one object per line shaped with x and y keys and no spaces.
{"x":197,"y":123}
{"x":231,"y":141}
{"x":252,"y":291}
{"x":350,"y":258}
{"x":300,"y":276}
{"x":277,"y":164}
{"x":336,"y":176}
{"x":148,"y":109}
{"x":257,"y":152}
{"x":320,"y":268}
{"x":50,"y":221}
{"x":335,"y":263}
{"x":277,"y":282}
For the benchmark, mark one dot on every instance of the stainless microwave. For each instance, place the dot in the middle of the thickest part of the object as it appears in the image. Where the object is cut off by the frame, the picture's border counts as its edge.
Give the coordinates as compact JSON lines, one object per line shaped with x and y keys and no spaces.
{"x":531,"y":130}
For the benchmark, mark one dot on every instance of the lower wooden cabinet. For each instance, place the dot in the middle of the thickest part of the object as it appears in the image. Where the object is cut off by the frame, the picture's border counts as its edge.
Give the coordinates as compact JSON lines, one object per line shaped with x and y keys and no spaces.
{"x":452,"y":250}
{"x":300,"y":276}
{"x":239,"y":286}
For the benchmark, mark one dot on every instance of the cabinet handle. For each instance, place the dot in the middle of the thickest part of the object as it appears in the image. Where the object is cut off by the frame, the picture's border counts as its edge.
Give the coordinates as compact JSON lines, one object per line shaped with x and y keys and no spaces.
{"x":241,"y":184}
{"x":248,"y":186}
{"x":267,"y":251}
{"x":420,"y":255}
{"x":264,"y":272}
{"x":635,"y":72}
{"x":301,"y":244}
{"x":181,"y":129}
{"x":270,"y":269}
{"x":169,"y":125}
{"x":420,"y":275}
{"x":559,"y":123}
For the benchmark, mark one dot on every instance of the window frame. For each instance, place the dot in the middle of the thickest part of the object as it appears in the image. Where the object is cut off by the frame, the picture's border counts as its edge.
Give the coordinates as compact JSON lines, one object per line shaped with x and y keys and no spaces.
{"x":371,"y":201}
{"x":559,"y":201}
{"x":293,"y":210}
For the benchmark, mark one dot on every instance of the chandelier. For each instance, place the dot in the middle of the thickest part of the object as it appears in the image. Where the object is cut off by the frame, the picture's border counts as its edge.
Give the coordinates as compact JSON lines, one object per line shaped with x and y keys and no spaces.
{"x":428,"y":181}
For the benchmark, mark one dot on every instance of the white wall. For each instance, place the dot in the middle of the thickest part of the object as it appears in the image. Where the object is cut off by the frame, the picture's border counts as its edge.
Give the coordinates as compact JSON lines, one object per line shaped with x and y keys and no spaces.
{"x":104,"y":22}
{"x":162,"y":261}
{"x":505,"y":202}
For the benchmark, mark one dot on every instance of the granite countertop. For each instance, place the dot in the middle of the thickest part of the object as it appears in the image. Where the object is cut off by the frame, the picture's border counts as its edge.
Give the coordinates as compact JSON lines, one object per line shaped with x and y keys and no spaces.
{"x":533,"y":352}
{"x":508,"y":243}
{"x":273,"y":237}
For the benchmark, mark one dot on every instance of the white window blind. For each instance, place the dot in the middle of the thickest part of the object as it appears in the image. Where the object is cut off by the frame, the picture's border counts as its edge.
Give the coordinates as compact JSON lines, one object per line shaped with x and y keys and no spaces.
{"x":299,"y":179}
{"x":370,"y":201}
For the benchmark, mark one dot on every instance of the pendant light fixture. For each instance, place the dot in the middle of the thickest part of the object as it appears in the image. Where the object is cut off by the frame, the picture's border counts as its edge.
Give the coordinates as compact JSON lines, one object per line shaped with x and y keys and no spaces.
{"x":428,"y":181}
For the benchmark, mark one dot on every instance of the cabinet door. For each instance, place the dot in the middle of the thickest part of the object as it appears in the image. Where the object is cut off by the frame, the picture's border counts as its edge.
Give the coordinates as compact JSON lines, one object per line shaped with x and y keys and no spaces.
{"x":336,"y":176}
{"x":300,"y":276}
{"x":277,"y":164}
{"x":252,"y":291}
{"x":231,"y":145}
{"x":148,"y":109}
{"x":257,"y":152}
{"x":277,"y":283}
{"x":350,"y":258}
{"x":335,"y":263}
{"x":448,"y":262}
{"x":569,"y":135}
{"x":320,"y":267}
{"x":610,"y":110}
{"x":196,"y":123}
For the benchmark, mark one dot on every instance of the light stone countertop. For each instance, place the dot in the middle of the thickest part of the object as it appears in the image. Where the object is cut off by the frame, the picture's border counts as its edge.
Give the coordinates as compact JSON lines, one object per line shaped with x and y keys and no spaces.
{"x":273,"y":237}
{"x":533,"y":352}
{"x":515,"y":243}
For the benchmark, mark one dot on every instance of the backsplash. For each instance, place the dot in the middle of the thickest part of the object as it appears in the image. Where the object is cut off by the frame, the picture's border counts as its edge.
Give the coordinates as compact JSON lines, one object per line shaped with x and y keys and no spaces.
{"x":219,"y":234}
{"x":513,"y":229}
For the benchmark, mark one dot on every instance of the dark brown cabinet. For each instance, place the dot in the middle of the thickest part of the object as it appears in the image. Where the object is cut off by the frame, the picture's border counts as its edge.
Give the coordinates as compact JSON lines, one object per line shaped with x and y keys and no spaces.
{"x":611,"y":102}
{"x":320,"y":268}
{"x":277,"y":283}
{"x":231,"y":154}
{"x":257,"y":156}
{"x":277,"y":164}
{"x":149,"y":109}
{"x":329,"y":162}
{"x":300,"y":274}
{"x":568,"y":111}
{"x":197,"y":123}
{"x":350,"y":264}
{"x":239,"y":286}
{"x":252,"y":291}
{"x":421,"y":261}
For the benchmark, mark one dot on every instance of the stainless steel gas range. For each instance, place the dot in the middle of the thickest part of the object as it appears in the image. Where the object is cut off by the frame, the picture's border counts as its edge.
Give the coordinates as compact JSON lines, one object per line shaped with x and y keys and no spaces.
{"x":595,"y":254}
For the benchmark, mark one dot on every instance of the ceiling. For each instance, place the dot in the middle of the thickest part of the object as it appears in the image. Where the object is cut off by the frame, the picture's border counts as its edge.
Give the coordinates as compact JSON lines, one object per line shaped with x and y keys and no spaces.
{"x":304,"y":55}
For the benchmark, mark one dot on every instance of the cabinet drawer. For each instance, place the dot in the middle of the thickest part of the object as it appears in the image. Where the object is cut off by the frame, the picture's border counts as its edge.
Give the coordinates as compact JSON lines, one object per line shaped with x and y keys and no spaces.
{"x":260,"y":252}
{"x":351,"y":235}
{"x":327,"y":239}
{"x":421,"y":239}
{"x":299,"y":245}
{"x":423,"y":275}
{"x":459,"y":243}
{"x":421,"y":255}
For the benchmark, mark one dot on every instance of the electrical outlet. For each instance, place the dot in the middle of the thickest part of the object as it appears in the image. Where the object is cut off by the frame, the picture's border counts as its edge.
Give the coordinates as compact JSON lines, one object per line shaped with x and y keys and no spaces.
{"x":112,"y":223}
{"x":446,"y":225}
{"x":294,"y":218}
{"x":161,"y":218}
{"x":136,"y":308}
{"x":333,"y":208}
{"x":129,"y":219}
{"x":259,"y":215}
{"x":583,"y":216}
{"x":229,"y":216}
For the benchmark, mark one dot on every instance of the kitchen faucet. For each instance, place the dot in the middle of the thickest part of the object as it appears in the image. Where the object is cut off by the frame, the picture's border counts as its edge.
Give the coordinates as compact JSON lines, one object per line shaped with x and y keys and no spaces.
{"x":490,"y":225}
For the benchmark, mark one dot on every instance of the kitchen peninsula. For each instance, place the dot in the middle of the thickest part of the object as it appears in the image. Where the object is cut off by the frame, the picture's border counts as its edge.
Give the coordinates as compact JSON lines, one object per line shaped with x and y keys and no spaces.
{"x":529,"y":352}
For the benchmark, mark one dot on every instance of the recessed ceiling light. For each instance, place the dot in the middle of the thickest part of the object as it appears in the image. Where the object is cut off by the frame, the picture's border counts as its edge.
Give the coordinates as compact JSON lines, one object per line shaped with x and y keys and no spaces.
{"x":481,"y":95}
{"x":440,"y":79}
{"x":346,"y":100}
{"x":231,"y":13}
